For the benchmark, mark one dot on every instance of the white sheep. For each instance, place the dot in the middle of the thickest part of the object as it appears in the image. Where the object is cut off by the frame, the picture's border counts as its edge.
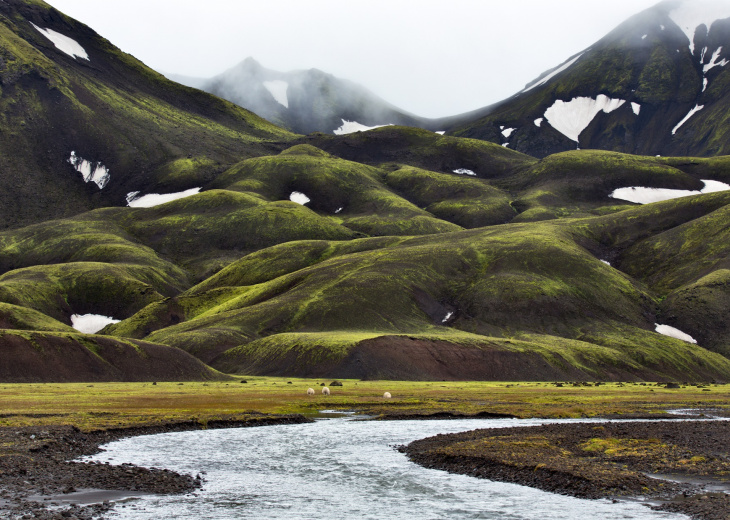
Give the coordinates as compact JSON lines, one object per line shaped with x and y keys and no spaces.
{"x":310,"y":391}
{"x":325,"y":391}
{"x":386,"y":395}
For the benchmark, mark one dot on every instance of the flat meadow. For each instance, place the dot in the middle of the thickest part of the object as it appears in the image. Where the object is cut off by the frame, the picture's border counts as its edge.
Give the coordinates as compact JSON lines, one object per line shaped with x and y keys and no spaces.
{"x":91,"y":406}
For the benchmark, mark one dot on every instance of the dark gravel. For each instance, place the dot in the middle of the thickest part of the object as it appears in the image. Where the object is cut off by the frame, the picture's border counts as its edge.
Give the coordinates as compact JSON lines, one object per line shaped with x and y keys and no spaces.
{"x":37,"y":462}
{"x":599,"y":460}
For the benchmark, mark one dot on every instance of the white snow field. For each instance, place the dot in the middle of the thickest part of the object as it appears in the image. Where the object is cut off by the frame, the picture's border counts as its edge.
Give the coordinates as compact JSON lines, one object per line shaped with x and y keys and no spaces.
{"x":508,"y":132}
{"x":570,"y":118}
{"x":554,"y":73}
{"x":538,"y":121}
{"x":636,"y":108}
{"x":692,"y":112}
{"x":299,"y":197}
{"x":641,"y":195}
{"x":713,"y":61}
{"x":464,"y":171}
{"x":349,"y":127}
{"x":63,"y":43}
{"x":278,"y":89}
{"x":155,"y":199}
{"x":666,"y":330}
{"x":690,"y":14}
{"x":91,"y":172}
{"x":90,"y":323}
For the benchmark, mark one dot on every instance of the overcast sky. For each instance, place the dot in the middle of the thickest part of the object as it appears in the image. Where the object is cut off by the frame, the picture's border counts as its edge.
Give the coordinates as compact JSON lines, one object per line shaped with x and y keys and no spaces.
{"x":431,"y":57}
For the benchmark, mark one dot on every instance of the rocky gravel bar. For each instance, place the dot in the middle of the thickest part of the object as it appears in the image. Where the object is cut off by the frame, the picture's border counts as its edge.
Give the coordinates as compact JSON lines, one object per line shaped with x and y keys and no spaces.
{"x":39,"y":478}
{"x":681,"y":466}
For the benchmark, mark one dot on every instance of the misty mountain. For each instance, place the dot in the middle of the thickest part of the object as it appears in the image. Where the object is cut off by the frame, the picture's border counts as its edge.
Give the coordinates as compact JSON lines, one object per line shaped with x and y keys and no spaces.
{"x":656,"y":85}
{"x":304,"y":101}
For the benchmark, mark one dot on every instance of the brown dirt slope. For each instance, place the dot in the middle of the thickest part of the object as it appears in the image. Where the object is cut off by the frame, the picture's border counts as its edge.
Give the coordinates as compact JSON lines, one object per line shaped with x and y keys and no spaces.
{"x":47,"y":357}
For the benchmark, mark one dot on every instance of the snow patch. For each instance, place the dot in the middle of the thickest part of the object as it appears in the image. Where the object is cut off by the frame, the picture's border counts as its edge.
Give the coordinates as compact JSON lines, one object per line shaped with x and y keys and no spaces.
{"x":278,"y":89}
{"x":349,"y":127}
{"x":91,"y":172}
{"x":636,"y":108}
{"x":554,"y":73}
{"x":447,"y":317}
{"x":440,"y":132}
{"x":505,"y":145}
{"x":641,"y":195}
{"x":63,"y":43}
{"x":690,"y":14}
{"x":666,"y":330}
{"x":570,"y":118}
{"x":339,"y":210}
{"x":508,"y":132}
{"x":90,"y":323}
{"x":692,"y":112}
{"x":606,"y":262}
{"x":713,"y":62}
{"x":464,"y":171}
{"x":155,"y":199}
{"x":644,"y":37}
{"x":300,"y":198}
{"x":538,"y":122}
{"x":705,"y":81}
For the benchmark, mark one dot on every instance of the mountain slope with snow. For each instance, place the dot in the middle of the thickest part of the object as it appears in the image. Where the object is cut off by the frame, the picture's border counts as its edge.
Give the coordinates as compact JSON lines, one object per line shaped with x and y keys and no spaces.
{"x":656,"y":85}
{"x":82,"y":124}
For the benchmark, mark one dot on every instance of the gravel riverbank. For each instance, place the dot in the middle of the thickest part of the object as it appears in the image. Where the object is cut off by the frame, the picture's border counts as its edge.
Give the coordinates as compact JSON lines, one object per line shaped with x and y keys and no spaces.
{"x":39,"y":480}
{"x":591,"y":460}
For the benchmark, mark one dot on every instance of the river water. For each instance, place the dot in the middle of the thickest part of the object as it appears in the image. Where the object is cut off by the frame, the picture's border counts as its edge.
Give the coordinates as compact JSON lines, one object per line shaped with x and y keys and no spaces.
{"x":338,"y":469}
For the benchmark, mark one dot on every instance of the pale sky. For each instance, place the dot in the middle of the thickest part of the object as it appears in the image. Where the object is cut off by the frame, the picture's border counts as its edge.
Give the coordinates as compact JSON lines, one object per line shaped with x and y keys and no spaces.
{"x":430,"y":57}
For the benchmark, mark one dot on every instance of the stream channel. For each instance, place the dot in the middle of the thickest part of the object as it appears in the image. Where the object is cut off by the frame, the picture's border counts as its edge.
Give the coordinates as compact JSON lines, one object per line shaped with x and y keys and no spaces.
{"x":338,"y":468}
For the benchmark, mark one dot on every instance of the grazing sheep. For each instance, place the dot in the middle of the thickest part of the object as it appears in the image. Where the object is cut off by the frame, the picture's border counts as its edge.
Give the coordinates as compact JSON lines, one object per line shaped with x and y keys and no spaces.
{"x":386,"y":395}
{"x":325,"y":391}
{"x":310,"y":391}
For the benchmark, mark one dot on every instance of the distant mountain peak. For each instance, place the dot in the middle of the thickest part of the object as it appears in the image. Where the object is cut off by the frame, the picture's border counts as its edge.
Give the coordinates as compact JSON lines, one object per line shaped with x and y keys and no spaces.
{"x":304,"y":101}
{"x":655,"y":85}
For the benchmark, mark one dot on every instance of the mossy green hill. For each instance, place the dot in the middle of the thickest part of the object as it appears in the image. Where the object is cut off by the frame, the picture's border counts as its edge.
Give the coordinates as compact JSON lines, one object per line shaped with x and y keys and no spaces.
{"x":250,"y":282}
{"x":110,"y":109}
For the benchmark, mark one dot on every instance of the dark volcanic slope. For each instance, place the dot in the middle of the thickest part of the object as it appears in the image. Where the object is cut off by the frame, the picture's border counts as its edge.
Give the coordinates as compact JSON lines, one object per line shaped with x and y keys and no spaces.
{"x":104,"y":107}
{"x":628,"y":92}
{"x":53,"y":357}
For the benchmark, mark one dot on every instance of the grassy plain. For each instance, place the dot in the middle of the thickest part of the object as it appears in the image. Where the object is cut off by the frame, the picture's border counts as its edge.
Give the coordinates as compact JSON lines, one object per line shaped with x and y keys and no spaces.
{"x":110,"y":405}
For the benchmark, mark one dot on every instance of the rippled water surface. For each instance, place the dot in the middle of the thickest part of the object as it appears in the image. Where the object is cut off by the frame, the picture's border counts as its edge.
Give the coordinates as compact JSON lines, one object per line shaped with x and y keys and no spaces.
{"x":338,"y":469}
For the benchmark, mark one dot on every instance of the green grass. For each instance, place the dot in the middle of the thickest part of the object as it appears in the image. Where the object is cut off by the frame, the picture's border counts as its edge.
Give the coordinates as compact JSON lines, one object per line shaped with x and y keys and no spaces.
{"x":106,"y":405}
